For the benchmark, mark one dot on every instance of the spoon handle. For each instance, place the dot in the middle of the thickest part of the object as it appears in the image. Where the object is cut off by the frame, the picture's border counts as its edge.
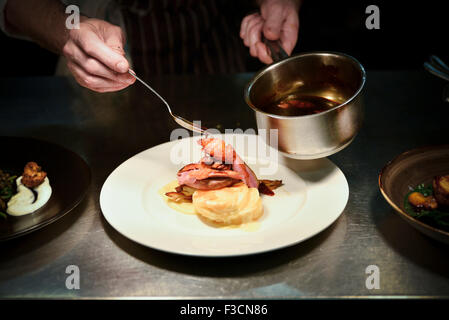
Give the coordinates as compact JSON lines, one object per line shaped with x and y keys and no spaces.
{"x":429,"y":67}
{"x":179,"y":120}
{"x":131,"y":72}
{"x":277,"y":53}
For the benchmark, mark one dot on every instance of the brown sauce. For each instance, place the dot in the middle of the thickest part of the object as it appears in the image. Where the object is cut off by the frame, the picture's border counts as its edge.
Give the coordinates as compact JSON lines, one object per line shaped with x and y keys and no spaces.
{"x":299,"y":105}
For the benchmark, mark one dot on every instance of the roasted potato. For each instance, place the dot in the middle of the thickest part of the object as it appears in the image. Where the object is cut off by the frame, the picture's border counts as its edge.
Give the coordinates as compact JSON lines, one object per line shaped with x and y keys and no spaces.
{"x":441,"y":190}
{"x":418,"y":200}
{"x":33,"y":175}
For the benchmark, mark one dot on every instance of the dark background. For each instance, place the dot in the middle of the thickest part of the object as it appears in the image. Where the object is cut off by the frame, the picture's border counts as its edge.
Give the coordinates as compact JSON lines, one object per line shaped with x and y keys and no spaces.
{"x":409,"y":32}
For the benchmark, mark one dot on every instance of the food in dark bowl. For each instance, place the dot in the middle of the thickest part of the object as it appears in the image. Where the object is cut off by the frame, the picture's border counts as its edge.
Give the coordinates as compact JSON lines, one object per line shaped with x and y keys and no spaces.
{"x":7,"y":190}
{"x":419,"y":175}
{"x":429,"y":203}
{"x":24,"y":194}
{"x":441,"y":190}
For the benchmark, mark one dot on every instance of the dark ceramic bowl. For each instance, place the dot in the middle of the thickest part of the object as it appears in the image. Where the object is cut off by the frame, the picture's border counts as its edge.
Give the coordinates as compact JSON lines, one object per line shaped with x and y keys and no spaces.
{"x":69,"y":178}
{"x":408,"y":170}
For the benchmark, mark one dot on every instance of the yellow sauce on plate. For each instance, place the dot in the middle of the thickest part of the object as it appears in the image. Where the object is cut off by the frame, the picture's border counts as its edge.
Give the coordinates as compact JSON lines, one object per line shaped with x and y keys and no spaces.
{"x":180,"y":206}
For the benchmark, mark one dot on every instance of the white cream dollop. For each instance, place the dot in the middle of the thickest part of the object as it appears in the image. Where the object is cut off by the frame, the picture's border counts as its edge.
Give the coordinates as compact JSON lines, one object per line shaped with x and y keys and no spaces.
{"x":24,"y":201}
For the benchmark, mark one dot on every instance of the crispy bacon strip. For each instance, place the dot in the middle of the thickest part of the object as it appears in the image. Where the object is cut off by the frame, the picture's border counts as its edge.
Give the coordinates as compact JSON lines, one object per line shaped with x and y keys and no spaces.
{"x":188,"y":191}
{"x":207,"y":176}
{"x":267,"y":186}
{"x":179,"y":197}
{"x":202,"y":171}
{"x":219,"y":168}
{"x":272,"y":184}
{"x":182,"y":193}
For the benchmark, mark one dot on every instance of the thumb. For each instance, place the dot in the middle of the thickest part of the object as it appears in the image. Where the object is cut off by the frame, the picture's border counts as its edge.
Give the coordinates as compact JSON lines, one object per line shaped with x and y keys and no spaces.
{"x":115,"y":39}
{"x":95,"y":47}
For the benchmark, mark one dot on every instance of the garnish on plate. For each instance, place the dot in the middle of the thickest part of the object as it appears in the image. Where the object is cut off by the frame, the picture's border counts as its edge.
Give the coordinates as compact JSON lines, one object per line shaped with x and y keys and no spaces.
{"x":7,"y":190}
{"x":430,"y":203}
{"x":24,"y":194}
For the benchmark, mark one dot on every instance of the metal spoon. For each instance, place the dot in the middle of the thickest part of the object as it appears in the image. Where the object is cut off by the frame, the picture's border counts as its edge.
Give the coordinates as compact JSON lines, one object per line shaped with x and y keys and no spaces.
{"x":179,"y":120}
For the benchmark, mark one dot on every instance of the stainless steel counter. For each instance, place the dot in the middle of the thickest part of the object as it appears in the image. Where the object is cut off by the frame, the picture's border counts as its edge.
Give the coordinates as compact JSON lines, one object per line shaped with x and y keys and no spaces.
{"x":404,"y":109}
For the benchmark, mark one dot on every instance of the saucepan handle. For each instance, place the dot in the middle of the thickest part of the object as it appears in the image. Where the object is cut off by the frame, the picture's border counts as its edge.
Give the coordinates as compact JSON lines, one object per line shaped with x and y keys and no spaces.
{"x":435,"y":71}
{"x":276,"y":51}
{"x":437,"y":67}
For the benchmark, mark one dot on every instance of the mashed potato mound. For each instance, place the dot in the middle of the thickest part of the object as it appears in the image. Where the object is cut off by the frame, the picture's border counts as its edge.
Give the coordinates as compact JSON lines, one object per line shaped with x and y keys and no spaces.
{"x":229,"y":206}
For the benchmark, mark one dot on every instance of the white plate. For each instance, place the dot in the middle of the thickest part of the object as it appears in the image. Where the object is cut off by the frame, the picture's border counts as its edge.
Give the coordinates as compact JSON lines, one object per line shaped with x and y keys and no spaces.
{"x":313,"y":196}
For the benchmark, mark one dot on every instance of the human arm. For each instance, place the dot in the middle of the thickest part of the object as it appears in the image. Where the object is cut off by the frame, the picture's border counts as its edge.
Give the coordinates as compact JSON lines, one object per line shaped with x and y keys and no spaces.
{"x":94,"y":52}
{"x":278,"y":20}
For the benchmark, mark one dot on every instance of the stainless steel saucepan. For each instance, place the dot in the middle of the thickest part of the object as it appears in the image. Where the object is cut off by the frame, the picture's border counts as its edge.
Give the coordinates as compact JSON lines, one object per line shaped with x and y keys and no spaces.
{"x":334,"y":76}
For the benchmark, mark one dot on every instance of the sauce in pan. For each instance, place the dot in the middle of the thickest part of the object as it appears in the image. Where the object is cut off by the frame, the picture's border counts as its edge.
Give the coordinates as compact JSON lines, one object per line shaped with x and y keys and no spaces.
{"x":299,"y":105}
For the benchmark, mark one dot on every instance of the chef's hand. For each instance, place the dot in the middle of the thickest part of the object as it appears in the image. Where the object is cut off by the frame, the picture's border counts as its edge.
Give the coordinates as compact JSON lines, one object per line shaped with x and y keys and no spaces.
{"x":278,"y":20}
{"x":95,"y":56}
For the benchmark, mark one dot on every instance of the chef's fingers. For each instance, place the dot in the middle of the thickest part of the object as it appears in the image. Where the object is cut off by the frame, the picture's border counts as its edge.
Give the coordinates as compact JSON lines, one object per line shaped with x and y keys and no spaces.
{"x":253,"y":36}
{"x":93,"y":82}
{"x":262,"y":53}
{"x":244,"y":24}
{"x":95,"y":47}
{"x":111,"y":89}
{"x":93,"y":66}
{"x":289,"y":33}
{"x":273,"y":14}
{"x":253,"y":21}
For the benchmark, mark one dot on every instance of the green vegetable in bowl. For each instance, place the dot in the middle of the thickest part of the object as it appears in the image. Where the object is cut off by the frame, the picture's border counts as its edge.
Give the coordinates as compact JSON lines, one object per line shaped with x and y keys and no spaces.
{"x":7,"y":190}
{"x":425,"y":211}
